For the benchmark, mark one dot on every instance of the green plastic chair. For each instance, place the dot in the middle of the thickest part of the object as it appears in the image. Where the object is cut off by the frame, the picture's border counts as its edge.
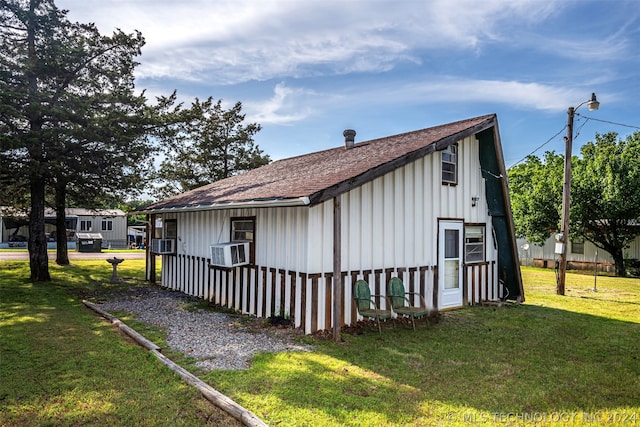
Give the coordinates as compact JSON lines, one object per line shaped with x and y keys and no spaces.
{"x":400,"y":304}
{"x":366,"y":305}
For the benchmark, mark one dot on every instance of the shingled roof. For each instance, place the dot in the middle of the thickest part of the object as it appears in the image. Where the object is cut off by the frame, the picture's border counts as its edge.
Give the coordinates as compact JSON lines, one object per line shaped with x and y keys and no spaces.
{"x":315,"y":177}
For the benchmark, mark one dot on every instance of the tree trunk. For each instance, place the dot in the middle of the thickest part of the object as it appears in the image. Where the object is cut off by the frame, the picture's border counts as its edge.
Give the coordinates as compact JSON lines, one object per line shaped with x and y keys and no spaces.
{"x":62,"y":253}
{"x":618,"y":259}
{"x":38,"y":259}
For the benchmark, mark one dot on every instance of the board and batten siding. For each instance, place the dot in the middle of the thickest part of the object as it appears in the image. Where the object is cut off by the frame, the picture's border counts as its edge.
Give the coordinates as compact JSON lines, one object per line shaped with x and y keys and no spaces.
{"x":280,"y":237}
{"x":389,"y":228}
{"x":393,"y":220}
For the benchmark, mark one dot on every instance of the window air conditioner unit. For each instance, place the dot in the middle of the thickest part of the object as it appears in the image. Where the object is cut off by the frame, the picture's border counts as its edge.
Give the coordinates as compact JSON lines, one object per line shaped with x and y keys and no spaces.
{"x":163,"y":246}
{"x":230,"y":254}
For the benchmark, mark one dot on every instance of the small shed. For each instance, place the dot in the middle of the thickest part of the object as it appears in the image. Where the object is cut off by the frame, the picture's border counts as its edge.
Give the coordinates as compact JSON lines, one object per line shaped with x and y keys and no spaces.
{"x":89,"y":242}
{"x":430,"y":207}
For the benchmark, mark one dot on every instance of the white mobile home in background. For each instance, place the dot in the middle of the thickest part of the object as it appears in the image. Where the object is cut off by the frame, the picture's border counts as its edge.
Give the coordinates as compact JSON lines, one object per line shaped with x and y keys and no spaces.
{"x":581,"y":254}
{"x":111,"y":224}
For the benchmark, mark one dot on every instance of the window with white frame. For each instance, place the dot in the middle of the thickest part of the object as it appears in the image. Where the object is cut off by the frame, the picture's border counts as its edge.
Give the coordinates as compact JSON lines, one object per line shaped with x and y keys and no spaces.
{"x":474,"y":247}
{"x":450,"y":165}
{"x":107,"y":225}
{"x":243,"y":229}
{"x":85,"y":225}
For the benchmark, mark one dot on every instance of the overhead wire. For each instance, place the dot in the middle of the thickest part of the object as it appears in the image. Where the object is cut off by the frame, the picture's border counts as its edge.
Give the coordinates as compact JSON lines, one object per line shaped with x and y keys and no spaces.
{"x":609,"y":122}
{"x":577,"y":132}
{"x":539,"y":147}
{"x":576,"y":135}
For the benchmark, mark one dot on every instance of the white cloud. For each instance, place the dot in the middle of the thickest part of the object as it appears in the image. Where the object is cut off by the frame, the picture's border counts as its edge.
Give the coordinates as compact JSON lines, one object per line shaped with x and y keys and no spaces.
{"x":287,"y":105}
{"x":241,"y":40}
{"x":522,"y":95}
{"x":434,"y":90}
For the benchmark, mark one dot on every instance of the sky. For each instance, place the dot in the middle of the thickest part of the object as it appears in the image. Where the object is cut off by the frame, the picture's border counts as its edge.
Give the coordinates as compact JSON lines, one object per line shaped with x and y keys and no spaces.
{"x":307,"y":70}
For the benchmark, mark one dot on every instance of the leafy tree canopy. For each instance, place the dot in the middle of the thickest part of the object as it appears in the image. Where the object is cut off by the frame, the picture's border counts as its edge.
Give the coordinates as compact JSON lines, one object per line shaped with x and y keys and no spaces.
{"x":605,"y":195}
{"x":536,"y":190}
{"x":70,"y":119}
{"x":214,"y":144}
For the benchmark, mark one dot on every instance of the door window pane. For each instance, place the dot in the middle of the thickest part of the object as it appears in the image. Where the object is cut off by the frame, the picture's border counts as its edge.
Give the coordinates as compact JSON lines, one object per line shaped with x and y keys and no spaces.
{"x":451,"y":274}
{"x":451,"y":244}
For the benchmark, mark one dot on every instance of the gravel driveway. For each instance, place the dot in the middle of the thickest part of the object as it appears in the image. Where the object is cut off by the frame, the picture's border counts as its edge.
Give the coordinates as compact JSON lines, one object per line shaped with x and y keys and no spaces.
{"x":215,"y":340}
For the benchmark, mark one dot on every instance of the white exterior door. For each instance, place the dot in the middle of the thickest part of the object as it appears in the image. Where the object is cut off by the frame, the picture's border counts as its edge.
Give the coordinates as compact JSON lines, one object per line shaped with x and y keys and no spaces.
{"x":450,"y":258}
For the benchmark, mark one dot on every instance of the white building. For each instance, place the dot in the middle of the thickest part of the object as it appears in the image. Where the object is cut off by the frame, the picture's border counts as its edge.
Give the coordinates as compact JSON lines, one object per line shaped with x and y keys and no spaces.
{"x":429,"y":206}
{"x":581,"y":254}
{"x":111,"y":224}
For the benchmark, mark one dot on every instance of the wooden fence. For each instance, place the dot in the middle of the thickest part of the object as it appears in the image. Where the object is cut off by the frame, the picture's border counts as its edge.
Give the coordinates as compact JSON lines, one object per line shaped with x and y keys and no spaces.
{"x":306,"y":298}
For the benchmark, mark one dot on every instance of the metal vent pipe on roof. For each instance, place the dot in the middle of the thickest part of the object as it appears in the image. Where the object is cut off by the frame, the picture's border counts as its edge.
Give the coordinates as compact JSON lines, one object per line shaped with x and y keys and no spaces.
{"x":349,"y":138}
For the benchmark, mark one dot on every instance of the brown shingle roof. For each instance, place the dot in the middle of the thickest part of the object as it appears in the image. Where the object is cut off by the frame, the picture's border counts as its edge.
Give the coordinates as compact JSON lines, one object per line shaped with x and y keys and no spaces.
{"x":321,"y":175}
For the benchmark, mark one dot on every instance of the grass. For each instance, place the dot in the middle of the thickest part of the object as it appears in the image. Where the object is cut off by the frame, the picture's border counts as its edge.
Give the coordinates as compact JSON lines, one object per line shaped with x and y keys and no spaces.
{"x":62,"y":365}
{"x":554,"y":360}
{"x":575,"y":357}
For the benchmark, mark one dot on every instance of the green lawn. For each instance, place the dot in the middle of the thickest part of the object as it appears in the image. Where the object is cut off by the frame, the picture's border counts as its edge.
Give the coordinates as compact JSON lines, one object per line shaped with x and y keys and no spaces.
{"x":571,"y":360}
{"x":60,"y":365}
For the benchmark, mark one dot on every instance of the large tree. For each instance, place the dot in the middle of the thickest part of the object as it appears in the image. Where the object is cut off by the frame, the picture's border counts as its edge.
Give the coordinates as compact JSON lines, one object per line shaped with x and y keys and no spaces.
{"x":536,"y":190}
{"x":214,"y":144}
{"x":100,"y":169}
{"x":68,"y":111}
{"x":605,"y":195}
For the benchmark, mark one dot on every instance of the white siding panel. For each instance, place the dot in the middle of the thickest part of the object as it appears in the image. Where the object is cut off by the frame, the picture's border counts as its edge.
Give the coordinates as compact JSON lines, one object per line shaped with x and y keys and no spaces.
{"x":302,"y":236}
{"x":353,"y":228}
{"x":297,"y":316}
{"x":327,"y":237}
{"x":410,"y":215}
{"x":201,"y":241}
{"x":314,"y":243}
{"x":320,"y":243}
{"x":281,"y":234}
{"x":419,"y":221}
{"x":268,"y":237}
{"x":367,"y":228}
{"x":376,"y":204}
{"x":401,"y":206}
{"x":388,"y":219}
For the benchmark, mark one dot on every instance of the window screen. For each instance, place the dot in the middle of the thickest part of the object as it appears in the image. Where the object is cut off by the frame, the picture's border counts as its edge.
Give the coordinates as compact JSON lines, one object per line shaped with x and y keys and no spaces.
{"x":242,"y":229}
{"x":474,"y":243}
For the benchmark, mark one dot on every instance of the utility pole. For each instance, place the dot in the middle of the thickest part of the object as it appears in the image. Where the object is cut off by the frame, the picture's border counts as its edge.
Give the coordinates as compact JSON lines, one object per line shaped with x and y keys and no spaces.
{"x":592,"y":104}
{"x":566,"y":201}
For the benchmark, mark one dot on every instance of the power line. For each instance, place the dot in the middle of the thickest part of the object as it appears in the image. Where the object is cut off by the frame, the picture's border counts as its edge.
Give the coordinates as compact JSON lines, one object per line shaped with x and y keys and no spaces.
{"x":533,"y":152}
{"x":577,"y":134}
{"x":609,"y":122}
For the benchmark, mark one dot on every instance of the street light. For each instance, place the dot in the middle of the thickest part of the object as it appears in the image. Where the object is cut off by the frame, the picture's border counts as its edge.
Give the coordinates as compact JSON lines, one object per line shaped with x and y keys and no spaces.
{"x":592,"y":104}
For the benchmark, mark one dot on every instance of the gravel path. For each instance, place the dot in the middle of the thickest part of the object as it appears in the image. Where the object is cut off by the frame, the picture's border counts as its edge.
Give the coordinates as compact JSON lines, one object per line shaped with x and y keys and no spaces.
{"x":215,"y":340}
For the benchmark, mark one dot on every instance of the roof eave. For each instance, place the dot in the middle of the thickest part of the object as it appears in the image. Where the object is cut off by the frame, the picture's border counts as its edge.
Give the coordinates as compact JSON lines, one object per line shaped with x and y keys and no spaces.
{"x":259,"y":203}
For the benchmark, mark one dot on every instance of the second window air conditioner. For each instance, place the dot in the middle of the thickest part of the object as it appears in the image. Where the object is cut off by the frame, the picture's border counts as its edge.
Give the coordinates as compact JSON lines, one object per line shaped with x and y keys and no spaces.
{"x":163,"y":246}
{"x":230,"y":254}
